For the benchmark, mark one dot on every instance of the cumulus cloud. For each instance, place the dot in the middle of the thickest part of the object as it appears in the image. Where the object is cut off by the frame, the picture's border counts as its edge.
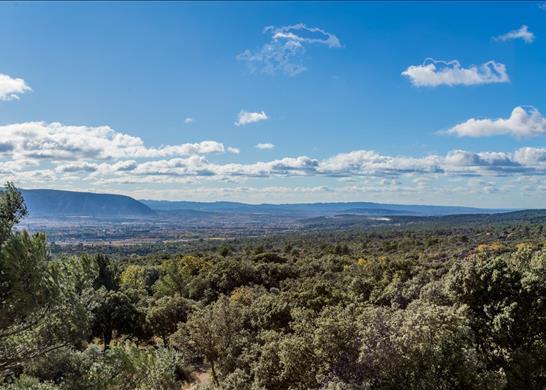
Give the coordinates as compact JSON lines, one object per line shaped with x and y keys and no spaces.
{"x":287,"y":45}
{"x":76,"y":167}
{"x":188,"y":120}
{"x":523,"y":122}
{"x":246,"y":117}
{"x":367,"y":162}
{"x":265,"y":146}
{"x":534,"y":157}
{"x":522,"y":33}
{"x":11,"y":88}
{"x":55,"y":141}
{"x":462,"y":162}
{"x":433,"y":73}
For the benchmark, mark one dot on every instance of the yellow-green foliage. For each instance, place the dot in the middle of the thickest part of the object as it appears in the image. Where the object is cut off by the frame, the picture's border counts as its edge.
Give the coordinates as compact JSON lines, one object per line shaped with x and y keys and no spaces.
{"x":492,"y":248}
{"x":177,"y":273}
{"x":134,"y":276}
{"x":362,"y":262}
{"x":190,"y":265}
{"x":242,"y":295}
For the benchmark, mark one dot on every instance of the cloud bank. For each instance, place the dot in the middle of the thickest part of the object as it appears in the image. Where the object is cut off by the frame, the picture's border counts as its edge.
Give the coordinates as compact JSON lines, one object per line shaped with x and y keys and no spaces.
{"x":53,"y":151}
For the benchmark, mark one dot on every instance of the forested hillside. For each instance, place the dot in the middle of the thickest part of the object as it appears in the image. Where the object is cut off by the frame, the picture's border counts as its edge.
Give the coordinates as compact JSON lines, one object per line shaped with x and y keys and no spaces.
{"x":427,"y":307}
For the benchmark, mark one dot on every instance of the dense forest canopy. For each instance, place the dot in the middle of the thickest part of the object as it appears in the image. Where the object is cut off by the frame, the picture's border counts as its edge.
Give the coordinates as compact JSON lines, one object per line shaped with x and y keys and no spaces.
{"x":443,"y":307}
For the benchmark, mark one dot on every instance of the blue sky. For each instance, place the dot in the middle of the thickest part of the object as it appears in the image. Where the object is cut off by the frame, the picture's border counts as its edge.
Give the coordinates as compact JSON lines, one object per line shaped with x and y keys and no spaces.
{"x":170,"y":100}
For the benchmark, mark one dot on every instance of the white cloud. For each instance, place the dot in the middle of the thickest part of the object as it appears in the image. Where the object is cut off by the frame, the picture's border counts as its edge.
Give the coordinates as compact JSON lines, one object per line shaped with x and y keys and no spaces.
{"x":523,"y":122}
{"x":294,"y":33}
{"x":461,"y":162}
{"x":534,"y":157}
{"x":233,"y":150}
{"x":188,"y":120}
{"x":283,"y":53}
{"x":434,"y":73}
{"x":265,"y":146}
{"x":522,"y":33}
{"x":246,"y":117}
{"x":55,"y":141}
{"x":11,"y":88}
{"x":77,"y":167}
{"x":368,"y":162}
{"x":13,"y":166}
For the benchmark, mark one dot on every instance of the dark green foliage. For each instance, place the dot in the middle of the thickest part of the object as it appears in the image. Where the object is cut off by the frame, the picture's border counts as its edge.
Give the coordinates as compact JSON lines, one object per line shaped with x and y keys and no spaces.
{"x":44,"y":304}
{"x":114,"y":311}
{"x":12,"y":210}
{"x":224,"y":251}
{"x":165,"y":313}
{"x":107,"y":274}
{"x":507,"y":311}
{"x":65,"y":366}
{"x":216,"y":333}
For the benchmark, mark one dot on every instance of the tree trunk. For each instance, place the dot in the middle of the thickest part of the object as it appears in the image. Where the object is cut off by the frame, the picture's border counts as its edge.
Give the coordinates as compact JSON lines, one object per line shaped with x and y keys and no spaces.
{"x":107,"y":337}
{"x":214,"y":377}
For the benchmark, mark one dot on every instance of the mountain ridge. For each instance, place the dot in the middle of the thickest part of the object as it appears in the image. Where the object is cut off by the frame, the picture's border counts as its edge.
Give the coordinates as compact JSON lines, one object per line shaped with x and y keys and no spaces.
{"x":61,"y":203}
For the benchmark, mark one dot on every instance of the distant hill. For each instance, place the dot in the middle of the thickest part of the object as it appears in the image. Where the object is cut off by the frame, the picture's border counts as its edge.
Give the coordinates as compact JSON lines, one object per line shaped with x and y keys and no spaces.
{"x":56,"y":203}
{"x":318,"y":209}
